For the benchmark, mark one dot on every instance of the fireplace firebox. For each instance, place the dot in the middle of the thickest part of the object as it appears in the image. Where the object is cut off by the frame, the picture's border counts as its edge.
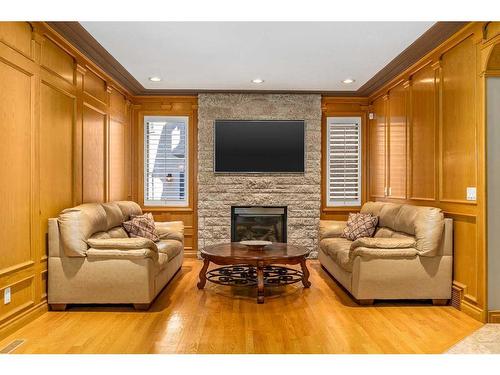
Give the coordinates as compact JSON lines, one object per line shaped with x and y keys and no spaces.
{"x":258,"y":223}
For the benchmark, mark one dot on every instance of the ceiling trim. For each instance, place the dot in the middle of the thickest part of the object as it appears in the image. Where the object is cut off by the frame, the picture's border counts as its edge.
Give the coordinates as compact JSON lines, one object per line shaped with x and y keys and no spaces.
{"x":90,"y":47}
{"x":429,"y":40}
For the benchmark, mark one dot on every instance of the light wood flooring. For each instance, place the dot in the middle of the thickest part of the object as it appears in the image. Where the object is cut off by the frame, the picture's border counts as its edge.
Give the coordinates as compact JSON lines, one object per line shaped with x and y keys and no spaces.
{"x":218,"y":319}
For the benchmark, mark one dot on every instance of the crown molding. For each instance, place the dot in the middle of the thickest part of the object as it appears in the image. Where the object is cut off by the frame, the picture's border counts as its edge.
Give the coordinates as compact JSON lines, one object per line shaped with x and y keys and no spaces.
{"x":77,"y":35}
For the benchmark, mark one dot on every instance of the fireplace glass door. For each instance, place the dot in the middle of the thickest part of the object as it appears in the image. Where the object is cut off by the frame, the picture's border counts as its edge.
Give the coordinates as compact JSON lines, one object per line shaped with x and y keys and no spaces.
{"x":258,"y":223}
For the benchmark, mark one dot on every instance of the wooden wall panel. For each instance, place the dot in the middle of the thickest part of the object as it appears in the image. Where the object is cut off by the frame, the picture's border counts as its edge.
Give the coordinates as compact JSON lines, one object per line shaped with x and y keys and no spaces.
{"x":57,"y":118}
{"x":22,"y":296}
{"x":53,"y":151}
{"x":397,"y":142}
{"x":396,"y":125}
{"x":458,"y":131}
{"x":447,"y":149}
{"x":95,"y":86}
{"x":466,"y":262}
{"x":57,"y":60}
{"x":377,"y":149}
{"x":423,"y":140}
{"x":17,"y":35}
{"x":93,"y":161}
{"x":16,"y":166}
{"x":119,"y":163}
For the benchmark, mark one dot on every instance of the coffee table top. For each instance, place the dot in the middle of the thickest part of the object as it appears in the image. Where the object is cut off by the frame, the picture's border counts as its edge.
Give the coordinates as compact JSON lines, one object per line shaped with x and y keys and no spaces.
{"x":234,"y":251}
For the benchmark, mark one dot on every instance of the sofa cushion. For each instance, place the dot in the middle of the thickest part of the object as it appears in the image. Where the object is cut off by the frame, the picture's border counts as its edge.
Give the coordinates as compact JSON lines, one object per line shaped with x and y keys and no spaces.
{"x":338,"y":249}
{"x":114,"y":216}
{"x":100,"y":235}
{"x":426,"y":224}
{"x":122,"y":243}
{"x":142,"y":226}
{"x":384,"y":243}
{"x":331,"y":228}
{"x":359,"y":225}
{"x":170,"y":230}
{"x":117,"y":232}
{"x":77,"y":224}
{"x":170,"y":247}
{"x":129,"y":208}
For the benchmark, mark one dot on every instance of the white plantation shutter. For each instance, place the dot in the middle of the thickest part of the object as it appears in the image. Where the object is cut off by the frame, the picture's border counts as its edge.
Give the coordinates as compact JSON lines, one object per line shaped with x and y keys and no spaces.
{"x":344,"y":161}
{"x":165,"y":161}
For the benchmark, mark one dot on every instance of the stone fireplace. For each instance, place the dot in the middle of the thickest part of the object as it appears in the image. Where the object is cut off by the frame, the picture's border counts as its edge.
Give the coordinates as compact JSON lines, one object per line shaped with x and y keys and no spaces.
{"x":258,"y":223}
{"x":218,"y":193}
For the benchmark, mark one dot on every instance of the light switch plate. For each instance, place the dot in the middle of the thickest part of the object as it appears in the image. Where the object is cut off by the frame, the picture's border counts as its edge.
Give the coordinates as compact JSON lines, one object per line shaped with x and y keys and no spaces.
{"x":471,"y":193}
{"x":371,"y":116}
{"x":6,"y":296}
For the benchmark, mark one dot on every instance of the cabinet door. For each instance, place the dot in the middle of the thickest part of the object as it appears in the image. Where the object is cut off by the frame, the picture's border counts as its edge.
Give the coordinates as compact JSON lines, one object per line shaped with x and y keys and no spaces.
{"x":377,"y":134}
{"x":397,"y":142}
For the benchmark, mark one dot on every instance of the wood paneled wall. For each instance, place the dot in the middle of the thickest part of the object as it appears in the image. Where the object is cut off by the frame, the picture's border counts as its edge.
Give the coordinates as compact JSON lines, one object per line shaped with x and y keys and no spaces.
{"x":347,"y":107}
{"x":168,"y":106}
{"x":427,"y":147}
{"x":66,"y":139}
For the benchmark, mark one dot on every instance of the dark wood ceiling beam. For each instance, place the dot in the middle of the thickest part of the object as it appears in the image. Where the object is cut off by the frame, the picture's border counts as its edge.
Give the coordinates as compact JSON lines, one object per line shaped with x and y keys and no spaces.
{"x":90,"y":47}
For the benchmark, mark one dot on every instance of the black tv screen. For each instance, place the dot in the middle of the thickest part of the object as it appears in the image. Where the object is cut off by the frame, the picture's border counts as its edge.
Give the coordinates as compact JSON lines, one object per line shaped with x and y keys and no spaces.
{"x":259,"y":146}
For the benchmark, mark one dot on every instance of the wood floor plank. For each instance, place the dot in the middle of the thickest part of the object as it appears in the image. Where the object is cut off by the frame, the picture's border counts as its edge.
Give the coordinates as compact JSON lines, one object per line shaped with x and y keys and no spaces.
{"x":218,"y":319}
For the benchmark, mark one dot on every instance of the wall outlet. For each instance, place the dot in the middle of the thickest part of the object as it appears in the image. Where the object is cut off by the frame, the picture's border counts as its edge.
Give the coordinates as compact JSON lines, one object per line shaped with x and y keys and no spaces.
{"x":471,"y":194}
{"x":6,"y":296}
{"x":371,"y":116}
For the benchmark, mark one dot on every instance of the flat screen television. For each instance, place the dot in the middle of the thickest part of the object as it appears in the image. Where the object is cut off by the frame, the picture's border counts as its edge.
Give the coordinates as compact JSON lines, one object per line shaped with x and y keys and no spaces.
{"x":259,"y":146}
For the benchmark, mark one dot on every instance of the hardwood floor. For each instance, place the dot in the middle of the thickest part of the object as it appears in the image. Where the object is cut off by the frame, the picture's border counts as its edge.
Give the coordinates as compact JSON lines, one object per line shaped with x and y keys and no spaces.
{"x":183,"y":319}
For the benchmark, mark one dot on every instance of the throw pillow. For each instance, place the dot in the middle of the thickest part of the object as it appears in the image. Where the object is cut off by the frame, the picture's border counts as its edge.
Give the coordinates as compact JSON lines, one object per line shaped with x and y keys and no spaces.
{"x":142,"y":226}
{"x":360,"y":225}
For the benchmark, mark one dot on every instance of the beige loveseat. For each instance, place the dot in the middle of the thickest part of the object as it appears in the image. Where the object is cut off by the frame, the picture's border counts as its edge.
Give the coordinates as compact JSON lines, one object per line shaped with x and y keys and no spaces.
{"x":409,"y":257}
{"x":93,"y":260}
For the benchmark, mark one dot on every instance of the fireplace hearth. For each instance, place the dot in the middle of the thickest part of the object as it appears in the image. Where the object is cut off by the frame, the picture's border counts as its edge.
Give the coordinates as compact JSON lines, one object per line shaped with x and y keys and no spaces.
{"x":258,"y":223}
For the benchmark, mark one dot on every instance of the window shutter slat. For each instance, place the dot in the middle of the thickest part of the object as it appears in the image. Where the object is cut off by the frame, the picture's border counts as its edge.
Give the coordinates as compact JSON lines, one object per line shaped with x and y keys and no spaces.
{"x":165,"y":161}
{"x":344,"y":161}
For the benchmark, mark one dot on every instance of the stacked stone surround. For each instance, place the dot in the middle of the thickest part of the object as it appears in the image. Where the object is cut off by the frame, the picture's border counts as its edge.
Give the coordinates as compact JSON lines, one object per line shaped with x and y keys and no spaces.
{"x":301,"y":193}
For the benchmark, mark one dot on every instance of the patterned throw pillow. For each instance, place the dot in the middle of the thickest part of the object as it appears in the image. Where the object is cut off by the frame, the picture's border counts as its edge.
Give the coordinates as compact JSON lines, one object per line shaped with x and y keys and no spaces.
{"x":360,"y":225}
{"x":142,"y":226}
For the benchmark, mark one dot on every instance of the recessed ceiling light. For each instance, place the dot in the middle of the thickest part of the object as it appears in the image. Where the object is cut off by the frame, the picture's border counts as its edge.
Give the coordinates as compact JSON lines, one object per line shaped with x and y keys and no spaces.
{"x":257,"y":80}
{"x":348,"y":81}
{"x":155,"y":79}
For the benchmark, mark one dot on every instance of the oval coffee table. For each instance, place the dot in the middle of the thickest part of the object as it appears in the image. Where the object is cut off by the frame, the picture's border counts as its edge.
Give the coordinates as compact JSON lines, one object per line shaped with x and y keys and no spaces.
{"x":250,"y":266}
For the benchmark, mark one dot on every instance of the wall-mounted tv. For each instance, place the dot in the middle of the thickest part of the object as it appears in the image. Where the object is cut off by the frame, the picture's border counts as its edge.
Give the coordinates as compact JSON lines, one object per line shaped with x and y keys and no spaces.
{"x":258,"y":146}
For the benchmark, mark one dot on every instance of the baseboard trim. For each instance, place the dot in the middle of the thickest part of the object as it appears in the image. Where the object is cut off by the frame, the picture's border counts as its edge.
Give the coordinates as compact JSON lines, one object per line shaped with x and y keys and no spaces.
{"x":21,"y":320}
{"x":494,"y":316}
{"x":473,"y":311}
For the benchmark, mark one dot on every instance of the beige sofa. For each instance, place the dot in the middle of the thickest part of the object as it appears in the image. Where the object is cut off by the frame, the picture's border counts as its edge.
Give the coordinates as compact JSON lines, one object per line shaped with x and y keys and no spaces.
{"x":409,"y":257}
{"x":92,"y":259}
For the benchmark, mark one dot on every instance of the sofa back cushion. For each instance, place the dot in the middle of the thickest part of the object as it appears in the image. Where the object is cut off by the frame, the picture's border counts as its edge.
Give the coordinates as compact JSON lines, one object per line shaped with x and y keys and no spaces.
{"x":77,"y":224}
{"x":128,"y":209}
{"x":426,"y":224}
{"x":93,"y":220}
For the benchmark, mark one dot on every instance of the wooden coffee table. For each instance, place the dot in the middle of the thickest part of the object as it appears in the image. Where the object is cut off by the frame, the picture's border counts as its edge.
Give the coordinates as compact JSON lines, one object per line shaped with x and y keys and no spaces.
{"x":250,"y":266}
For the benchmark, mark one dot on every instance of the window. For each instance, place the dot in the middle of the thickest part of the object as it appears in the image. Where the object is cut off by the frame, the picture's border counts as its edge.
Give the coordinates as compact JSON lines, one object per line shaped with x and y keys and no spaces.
{"x":165,"y":161}
{"x":343,"y":180}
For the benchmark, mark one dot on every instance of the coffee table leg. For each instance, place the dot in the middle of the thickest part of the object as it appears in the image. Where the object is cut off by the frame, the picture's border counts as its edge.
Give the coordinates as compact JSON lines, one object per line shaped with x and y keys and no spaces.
{"x":305,"y":274}
{"x":203,"y":274}
{"x":260,"y":283}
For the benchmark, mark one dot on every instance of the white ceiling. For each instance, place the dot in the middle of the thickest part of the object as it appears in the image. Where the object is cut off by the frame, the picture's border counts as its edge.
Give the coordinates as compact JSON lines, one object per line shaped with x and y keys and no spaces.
{"x":228,"y":55}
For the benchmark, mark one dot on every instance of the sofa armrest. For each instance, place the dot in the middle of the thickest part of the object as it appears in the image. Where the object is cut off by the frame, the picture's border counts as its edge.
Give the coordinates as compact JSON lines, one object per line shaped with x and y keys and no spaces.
{"x":170,"y":230}
{"x":134,"y":254}
{"x":384,"y":243}
{"x":371,"y":253}
{"x":136,"y":243}
{"x":331,"y":228}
